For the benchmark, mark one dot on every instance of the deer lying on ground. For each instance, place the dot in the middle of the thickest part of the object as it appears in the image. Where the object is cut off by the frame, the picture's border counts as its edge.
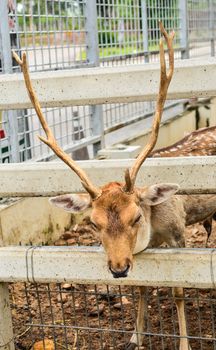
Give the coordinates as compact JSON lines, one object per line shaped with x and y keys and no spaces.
{"x":200,"y":142}
{"x":127,"y":218}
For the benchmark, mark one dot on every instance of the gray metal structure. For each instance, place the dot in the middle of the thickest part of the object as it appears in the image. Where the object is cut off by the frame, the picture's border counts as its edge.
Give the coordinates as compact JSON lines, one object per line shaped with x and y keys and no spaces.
{"x":69,"y":34}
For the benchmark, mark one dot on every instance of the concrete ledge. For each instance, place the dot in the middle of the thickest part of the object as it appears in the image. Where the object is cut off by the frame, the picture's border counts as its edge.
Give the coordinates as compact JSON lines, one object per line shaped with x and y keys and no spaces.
{"x":155,"y":267}
{"x":193,"y":174}
{"x":88,"y":86}
{"x":32,"y":220}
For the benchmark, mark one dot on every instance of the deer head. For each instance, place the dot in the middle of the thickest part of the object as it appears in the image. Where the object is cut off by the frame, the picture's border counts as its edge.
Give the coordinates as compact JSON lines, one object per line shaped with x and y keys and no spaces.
{"x":120,"y":211}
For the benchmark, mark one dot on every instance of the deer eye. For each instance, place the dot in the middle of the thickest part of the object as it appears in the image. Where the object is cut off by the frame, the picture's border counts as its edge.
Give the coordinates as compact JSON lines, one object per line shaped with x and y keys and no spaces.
{"x":137,"y":219}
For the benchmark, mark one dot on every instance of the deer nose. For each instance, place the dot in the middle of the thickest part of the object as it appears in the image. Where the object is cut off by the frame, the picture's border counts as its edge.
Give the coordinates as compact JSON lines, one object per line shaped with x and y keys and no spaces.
{"x":122,"y":273}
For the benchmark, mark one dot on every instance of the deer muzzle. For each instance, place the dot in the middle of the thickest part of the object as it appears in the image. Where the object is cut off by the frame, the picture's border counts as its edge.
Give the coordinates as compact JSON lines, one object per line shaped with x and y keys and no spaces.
{"x":120,"y":274}
{"x":120,"y":271}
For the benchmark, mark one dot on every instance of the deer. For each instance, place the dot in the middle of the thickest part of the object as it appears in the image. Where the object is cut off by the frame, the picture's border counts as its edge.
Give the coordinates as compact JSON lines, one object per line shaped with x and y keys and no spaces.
{"x":129,"y":219}
{"x":201,"y":142}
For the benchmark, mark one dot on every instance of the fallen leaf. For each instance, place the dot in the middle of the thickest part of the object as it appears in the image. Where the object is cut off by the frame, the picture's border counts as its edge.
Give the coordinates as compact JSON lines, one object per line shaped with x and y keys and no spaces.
{"x":60,"y":242}
{"x":66,"y":235}
{"x":71,"y":241}
{"x":45,"y":344}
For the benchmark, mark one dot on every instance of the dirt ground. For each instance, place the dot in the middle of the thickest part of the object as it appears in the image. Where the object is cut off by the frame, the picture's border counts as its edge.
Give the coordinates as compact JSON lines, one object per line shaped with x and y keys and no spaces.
{"x":81,"y":317}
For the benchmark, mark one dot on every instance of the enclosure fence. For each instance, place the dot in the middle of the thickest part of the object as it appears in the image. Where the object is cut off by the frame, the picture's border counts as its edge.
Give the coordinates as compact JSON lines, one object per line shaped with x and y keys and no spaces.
{"x":69,"y":34}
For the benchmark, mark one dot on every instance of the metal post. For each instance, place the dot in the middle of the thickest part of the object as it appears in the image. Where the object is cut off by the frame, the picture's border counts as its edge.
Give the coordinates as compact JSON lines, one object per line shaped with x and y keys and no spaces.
{"x":211,"y":24}
{"x":92,"y":49}
{"x":6,"y":327}
{"x":6,"y":59}
{"x":145,"y":29}
{"x":184,"y":29}
{"x":5,"y":39}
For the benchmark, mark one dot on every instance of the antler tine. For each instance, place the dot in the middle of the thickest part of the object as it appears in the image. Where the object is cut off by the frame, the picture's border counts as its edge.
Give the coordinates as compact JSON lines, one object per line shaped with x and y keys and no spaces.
{"x":165,"y":78}
{"x":169,"y":41}
{"x":50,"y":140}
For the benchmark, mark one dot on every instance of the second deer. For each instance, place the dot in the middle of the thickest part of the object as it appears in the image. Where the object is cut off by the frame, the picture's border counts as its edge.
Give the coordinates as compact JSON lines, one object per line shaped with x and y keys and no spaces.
{"x":201,"y":142}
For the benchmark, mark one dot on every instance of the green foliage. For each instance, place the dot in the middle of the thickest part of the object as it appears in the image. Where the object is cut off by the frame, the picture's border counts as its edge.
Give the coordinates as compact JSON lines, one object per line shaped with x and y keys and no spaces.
{"x":106,"y":37}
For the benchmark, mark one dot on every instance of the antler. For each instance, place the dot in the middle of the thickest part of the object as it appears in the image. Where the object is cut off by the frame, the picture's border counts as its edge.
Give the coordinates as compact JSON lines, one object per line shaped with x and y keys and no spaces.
{"x":165,"y":78}
{"x":50,"y":141}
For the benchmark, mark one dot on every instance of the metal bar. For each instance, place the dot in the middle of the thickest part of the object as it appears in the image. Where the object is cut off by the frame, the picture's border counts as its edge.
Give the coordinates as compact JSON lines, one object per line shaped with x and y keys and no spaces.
{"x":5,"y":39}
{"x":88,"y":265}
{"x":48,"y":179}
{"x":184,"y":29}
{"x":92,"y":52}
{"x":212,"y":27}
{"x":13,"y":136}
{"x":97,"y":127}
{"x":91,"y":32}
{"x":145,"y":29}
{"x":6,"y":327}
{"x":109,"y":85}
{"x":5,"y":54}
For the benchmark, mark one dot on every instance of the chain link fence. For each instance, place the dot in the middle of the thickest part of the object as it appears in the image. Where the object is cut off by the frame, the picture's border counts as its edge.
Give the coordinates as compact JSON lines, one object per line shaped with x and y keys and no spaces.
{"x":69,"y":34}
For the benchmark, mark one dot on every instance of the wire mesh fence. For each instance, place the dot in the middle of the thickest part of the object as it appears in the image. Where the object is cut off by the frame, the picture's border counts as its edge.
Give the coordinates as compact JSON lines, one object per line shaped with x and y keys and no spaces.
{"x":65,"y":316}
{"x":51,"y":32}
{"x":66,"y":34}
{"x":201,"y":27}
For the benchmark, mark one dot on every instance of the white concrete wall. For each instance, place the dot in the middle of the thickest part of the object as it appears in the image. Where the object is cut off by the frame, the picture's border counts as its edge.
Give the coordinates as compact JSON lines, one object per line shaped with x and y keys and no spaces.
{"x":171,"y":131}
{"x":131,"y":83}
{"x":154,"y":267}
{"x":49,"y":179}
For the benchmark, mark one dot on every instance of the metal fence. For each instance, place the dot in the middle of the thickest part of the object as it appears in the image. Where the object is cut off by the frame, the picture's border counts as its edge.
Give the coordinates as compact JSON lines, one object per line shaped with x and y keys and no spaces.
{"x":68,"y":316}
{"x":66,"y":34}
{"x":201,"y":27}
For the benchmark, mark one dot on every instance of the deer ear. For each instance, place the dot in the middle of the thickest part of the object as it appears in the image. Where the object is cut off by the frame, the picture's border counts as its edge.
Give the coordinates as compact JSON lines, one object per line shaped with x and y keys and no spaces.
{"x":74,"y":203}
{"x":157,"y":194}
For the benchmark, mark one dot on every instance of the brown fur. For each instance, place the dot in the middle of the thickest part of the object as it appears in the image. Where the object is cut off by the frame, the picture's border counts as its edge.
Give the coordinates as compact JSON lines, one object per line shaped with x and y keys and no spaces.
{"x":115,"y":223}
{"x":201,"y":142}
{"x":115,"y":211}
{"x":197,"y":143}
{"x":113,"y":214}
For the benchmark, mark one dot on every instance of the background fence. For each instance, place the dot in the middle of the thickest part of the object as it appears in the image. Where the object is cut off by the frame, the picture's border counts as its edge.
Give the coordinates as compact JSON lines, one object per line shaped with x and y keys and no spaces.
{"x":66,"y":34}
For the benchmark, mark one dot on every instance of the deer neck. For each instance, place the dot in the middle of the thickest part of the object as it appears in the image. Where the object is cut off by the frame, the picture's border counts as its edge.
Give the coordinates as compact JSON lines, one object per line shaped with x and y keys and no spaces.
{"x":144,"y":234}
